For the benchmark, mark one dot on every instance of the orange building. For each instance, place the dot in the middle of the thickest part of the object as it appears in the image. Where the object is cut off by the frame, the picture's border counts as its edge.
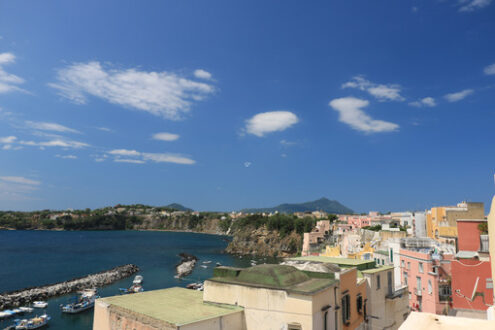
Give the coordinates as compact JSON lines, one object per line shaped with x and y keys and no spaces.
{"x":352,"y":298}
{"x":442,"y":221}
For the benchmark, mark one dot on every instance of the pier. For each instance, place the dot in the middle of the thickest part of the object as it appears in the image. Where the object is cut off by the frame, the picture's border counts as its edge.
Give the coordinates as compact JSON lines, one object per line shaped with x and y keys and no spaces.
{"x":25,"y":296}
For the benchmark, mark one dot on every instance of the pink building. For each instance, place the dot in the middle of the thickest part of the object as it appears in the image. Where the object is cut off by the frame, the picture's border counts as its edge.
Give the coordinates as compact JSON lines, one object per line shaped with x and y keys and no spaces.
{"x":472,"y":280}
{"x":313,"y":240}
{"x":427,"y":274}
{"x":356,"y":221}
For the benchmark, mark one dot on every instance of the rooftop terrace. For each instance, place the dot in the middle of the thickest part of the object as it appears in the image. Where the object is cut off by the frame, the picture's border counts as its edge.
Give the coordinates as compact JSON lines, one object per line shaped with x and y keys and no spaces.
{"x":342,"y":262}
{"x":177,"y":306}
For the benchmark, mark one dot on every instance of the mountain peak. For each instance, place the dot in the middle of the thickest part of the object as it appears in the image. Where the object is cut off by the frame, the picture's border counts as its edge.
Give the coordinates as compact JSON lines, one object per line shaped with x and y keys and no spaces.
{"x":322,"y":204}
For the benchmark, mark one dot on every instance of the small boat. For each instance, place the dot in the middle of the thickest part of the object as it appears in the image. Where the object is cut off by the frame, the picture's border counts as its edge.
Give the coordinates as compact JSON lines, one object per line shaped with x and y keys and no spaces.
{"x":40,"y":304}
{"x":138,"y":279}
{"x":203,"y":266}
{"x":26,"y":309}
{"x":219,"y":264}
{"x":207,"y":262}
{"x":6,"y":313}
{"x":84,"y":301}
{"x":135,"y":288}
{"x":34,"y":323}
{"x":195,"y":286}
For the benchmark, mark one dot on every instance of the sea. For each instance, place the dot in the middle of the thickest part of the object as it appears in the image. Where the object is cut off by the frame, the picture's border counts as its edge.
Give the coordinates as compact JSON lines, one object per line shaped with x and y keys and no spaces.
{"x":33,"y":258}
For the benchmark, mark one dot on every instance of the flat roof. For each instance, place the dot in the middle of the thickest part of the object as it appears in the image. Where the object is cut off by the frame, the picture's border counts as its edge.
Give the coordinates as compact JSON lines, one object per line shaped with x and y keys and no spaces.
{"x":377,"y":270}
{"x":277,"y":277}
{"x":345,"y":262}
{"x":176,"y":306}
{"x":417,"y":320}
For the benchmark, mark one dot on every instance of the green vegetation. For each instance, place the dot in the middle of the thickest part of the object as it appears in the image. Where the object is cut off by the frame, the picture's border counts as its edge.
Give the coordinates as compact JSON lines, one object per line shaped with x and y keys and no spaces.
{"x":373,"y":228}
{"x":283,"y":223}
{"x":483,"y":228}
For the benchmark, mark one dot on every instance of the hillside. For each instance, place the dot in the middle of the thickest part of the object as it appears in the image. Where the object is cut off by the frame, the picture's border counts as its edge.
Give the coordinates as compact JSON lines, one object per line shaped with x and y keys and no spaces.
{"x":179,"y":207}
{"x":322,"y":204}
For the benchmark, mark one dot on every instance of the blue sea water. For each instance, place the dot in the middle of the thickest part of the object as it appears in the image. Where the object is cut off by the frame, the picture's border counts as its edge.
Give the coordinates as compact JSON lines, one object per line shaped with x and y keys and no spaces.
{"x":32,"y":258}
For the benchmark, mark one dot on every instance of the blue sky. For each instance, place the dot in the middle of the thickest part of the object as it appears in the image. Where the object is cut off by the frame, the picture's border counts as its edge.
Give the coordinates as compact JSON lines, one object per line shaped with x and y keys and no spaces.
{"x":221,"y":105}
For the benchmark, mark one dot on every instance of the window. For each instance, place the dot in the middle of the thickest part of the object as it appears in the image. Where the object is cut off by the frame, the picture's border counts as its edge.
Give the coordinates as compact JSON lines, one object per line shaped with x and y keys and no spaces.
{"x":402,"y":263}
{"x":377,"y":282}
{"x":391,"y":255}
{"x":421,"y":267}
{"x":405,"y":278}
{"x":409,"y":265}
{"x":418,"y":286}
{"x":359,"y":304}
{"x":430,"y":288}
{"x":489,"y":283}
{"x":294,"y":326}
{"x":346,"y":308}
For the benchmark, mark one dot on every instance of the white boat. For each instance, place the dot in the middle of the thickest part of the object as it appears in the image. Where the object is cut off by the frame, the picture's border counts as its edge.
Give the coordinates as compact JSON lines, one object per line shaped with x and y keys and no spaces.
{"x":207,"y":262}
{"x":86,"y":300}
{"x":34,"y":323}
{"x":203,"y":266}
{"x":26,"y":309}
{"x":40,"y":304}
{"x":138,"y":279}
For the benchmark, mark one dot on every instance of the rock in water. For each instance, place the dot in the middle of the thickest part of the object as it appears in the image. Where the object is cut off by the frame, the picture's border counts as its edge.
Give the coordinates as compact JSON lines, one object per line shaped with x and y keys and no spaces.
{"x":186,"y":265}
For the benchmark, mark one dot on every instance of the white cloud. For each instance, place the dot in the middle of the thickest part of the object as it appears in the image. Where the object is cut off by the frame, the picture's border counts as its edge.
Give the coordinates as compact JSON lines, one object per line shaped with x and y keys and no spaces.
{"x":104,"y":129}
{"x":202,"y":74}
{"x":472,"y":5}
{"x":424,"y":102}
{"x":44,"y":126}
{"x":351,"y":113}
{"x":163,"y":94}
{"x":268,"y":122}
{"x":286,"y":143}
{"x":66,"y":156}
{"x":124,"y":152}
{"x":8,"y":82}
{"x":247,"y":164}
{"x":154,"y":157}
{"x":19,"y":180}
{"x":165,"y":136}
{"x":59,"y":142}
{"x":8,"y":139}
{"x":389,"y":92}
{"x":454,"y":97}
{"x":489,"y":70}
{"x":127,"y":160}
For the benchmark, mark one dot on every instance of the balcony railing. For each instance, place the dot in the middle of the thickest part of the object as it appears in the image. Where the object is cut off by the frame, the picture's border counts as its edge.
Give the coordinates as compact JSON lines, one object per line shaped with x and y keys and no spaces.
{"x":418,"y":292}
{"x":484,"y":243}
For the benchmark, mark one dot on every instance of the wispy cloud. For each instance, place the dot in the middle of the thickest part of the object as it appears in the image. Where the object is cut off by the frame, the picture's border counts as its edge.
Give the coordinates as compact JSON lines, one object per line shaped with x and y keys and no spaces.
{"x":128,"y":160}
{"x":66,"y":156}
{"x":8,"y":139}
{"x":202,"y":74}
{"x":424,"y":102}
{"x":351,"y":112}
{"x":58,"y":142}
{"x":490,"y":69}
{"x":53,"y":127}
{"x":472,"y":5}
{"x":104,"y":129}
{"x":454,"y":97}
{"x":165,"y":136}
{"x":383,"y":92}
{"x":17,"y":187}
{"x":247,"y":164}
{"x":9,"y":82}
{"x":286,"y":143}
{"x":20,"y":180}
{"x":163,"y":94}
{"x":149,"y":156}
{"x":268,"y":122}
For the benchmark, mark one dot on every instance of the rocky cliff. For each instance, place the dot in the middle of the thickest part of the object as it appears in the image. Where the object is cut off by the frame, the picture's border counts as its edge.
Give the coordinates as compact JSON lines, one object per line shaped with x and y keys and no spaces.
{"x":262,"y":242}
{"x":209,"y":226}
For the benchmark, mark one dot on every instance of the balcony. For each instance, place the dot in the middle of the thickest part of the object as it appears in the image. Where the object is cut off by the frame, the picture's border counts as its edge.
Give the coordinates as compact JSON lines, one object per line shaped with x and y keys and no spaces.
{"x":398,"y":293}
{"x":418,"y":292}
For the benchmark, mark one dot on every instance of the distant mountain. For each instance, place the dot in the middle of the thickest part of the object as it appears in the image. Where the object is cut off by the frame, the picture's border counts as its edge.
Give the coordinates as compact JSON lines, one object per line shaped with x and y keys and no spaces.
{"x":322,"y":204}
{"x":179,"y":207}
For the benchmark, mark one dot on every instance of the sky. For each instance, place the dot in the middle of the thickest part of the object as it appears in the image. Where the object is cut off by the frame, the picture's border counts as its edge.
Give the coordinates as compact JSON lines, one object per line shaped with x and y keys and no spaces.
{"x":224,"y":105}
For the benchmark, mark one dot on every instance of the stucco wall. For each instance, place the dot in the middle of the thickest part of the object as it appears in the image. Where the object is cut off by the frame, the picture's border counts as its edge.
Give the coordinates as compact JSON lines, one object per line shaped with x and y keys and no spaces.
{"x":465,"y":274}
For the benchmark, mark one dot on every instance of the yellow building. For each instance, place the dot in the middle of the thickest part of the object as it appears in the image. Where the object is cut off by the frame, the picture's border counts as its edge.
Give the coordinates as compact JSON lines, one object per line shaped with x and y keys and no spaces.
{"x":442,"y":221}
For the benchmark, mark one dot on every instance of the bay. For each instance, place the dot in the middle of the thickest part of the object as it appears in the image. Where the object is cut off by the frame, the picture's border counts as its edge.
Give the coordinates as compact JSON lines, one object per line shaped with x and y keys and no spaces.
{"x":33,"y":258}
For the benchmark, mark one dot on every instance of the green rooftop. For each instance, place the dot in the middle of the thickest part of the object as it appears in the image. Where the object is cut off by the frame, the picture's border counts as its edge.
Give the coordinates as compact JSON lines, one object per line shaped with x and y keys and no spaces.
{"x":280,"y":277}
{"x":377,"y":270}
{"x":342,"y":262}
{"x":177,"y":306}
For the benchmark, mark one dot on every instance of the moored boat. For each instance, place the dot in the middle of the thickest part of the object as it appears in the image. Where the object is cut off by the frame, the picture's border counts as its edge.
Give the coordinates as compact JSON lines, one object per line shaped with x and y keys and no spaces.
{"x":40,"y":304}
{"x":84,"y":301}
{"x":34,"y":323}
{"x":138,"y":280}
{"x":135,"y":288}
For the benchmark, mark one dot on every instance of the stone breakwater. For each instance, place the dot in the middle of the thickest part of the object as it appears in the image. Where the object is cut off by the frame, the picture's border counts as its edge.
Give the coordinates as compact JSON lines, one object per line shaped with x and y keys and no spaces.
{"x":26,"y":296}
{"x":186,"y":265}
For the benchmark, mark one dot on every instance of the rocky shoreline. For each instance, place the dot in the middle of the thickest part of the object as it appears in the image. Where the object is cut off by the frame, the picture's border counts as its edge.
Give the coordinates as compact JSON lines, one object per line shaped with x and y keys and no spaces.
{"x":26,"y":296}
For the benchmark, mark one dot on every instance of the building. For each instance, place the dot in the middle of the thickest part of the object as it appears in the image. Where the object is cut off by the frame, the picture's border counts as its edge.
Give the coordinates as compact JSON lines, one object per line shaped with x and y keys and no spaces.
{"x":472,"y":280}
{"x":430,"y":321}
{"x":419,"y":224}
{"x":426,"y":270}
{"x":174,"y":308}
{"x":385,"y":307}
{"x":313,"y":241}
{"x":442,"y":221}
